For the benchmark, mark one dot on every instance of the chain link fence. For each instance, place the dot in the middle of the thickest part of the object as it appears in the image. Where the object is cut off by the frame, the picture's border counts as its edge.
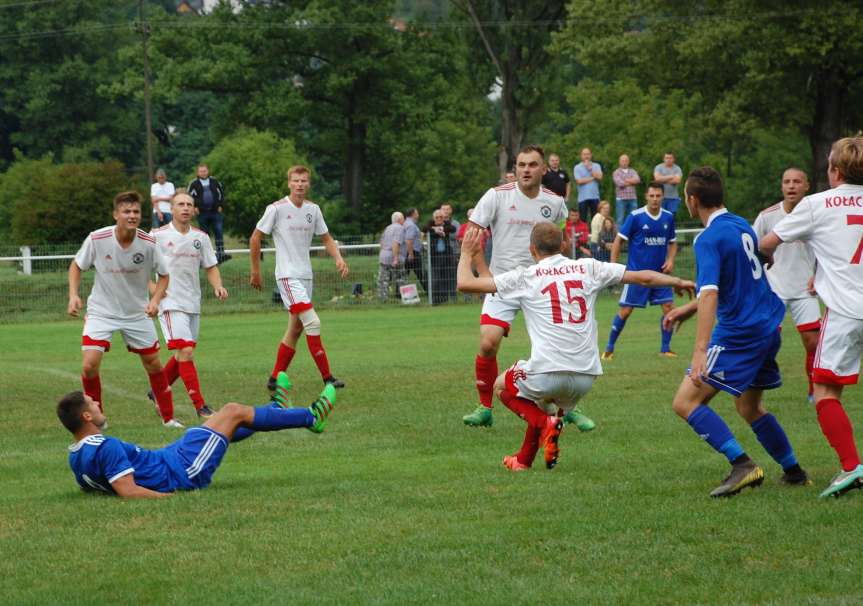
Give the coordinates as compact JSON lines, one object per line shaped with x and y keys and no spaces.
{"x":34,"y":287}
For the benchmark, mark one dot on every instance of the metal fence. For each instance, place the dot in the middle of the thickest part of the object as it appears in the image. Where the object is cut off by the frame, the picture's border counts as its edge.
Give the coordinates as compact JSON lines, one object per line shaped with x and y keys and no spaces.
{"x":34,"y":287}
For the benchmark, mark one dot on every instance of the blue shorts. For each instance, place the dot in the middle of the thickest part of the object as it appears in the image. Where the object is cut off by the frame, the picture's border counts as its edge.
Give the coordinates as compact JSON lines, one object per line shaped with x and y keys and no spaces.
{"x":195,"y":457}
{"x":636,"y":295}
{"x":736,"y":368}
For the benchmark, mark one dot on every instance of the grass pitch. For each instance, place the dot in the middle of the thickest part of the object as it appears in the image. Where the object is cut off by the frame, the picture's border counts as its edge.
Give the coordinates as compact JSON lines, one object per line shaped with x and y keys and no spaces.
{"x":398,"y":502}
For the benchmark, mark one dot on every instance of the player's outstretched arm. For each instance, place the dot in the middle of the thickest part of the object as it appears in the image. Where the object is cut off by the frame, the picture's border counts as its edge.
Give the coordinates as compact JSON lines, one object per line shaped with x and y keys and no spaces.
{"x":126,"y":488}
{"x":333,"y":251}
{"x":767,"y":246}
{"x":75,"y":303}
{"x":654,"y":279}
{"x":214,"y":277}
{"x":471,"y":247}
{"x":156,"y":296}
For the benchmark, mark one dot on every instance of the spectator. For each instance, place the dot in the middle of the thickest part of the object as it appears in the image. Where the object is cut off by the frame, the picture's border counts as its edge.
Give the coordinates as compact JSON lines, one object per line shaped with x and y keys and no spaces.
{"x":578,"y":234}
{"x":603,"y":212}
{"x":209,"y":197}
{"x":161,"y":193}
{"x":414,"y":247}
{"x":669,"y":174}
{"x":442,"y":279}
{"x":463,"y":228}
{"x":509,"y":177}
{"x":587,"y":175}
{"x":447,"y":210}
{"x":606,"y":238}
{"x":625,"y":179}
{"x":392,"y":256}
{"x":556,"y":179}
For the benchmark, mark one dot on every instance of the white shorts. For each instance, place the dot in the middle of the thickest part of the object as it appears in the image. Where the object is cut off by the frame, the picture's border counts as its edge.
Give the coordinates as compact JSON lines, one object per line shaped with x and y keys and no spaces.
{"x":549,"y":390}
{"x":840,"y":345}
{"x":180,"y":329}
{"x":805,"y":313}
{"x":498,"y":312}
{"x":140,"y":335}
{"x":296,"y":294}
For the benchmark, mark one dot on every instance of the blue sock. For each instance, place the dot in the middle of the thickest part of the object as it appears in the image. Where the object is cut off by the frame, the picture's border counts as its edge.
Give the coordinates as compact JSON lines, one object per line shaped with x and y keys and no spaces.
{"x":272,"y":418}
{"x":616,"y":328}
{"x":713,"y":430}
{"x":666,"y":336}
{"x":241,"y":433}
{"x":772,"y":437}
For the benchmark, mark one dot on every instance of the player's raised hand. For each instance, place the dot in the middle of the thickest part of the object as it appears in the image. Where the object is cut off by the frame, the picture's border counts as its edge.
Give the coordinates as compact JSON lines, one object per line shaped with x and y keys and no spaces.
{"x":698,"y":367}
{"x":472,"y":242}
{"x":255,"y":280}
{"x":342,"y":267}
{"x":74,"y":306}
{"x":221,"y":293}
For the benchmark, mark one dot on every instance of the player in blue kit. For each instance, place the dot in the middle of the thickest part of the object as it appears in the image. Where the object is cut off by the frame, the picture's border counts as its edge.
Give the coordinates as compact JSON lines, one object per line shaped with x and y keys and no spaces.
{"x":104,"y":463}
{"x":652,"y":245}
{"x":737,"y":355}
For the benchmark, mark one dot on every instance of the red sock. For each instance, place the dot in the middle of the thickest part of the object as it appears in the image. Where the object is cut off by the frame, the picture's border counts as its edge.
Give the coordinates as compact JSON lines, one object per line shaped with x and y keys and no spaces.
{"x":837,"y":429}
{"x":189,"y":374}
{"x":316,"y":348}
{"x":486,"y":374}
{"x":283,"y":359}
{"x":529,"y":447}
{"x":526,"y":409}
{"x":171,"y":370}
{"x":810,"y":362}
{"x":93,"y":388}
{"x":162,"y":391}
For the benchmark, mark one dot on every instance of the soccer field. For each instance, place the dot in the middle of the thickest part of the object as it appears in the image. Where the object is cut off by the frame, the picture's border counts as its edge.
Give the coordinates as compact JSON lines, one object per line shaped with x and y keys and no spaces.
{"x":398,"y":502}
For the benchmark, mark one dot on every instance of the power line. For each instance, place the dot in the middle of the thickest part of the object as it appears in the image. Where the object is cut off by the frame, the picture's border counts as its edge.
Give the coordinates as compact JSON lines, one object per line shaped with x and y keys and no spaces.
{"x":23,"y":4}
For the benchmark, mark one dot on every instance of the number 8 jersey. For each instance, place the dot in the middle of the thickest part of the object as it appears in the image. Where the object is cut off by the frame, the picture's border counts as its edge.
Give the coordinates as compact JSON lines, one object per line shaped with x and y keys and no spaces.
{"x":557,"y":296}
{"x":727,"y":261}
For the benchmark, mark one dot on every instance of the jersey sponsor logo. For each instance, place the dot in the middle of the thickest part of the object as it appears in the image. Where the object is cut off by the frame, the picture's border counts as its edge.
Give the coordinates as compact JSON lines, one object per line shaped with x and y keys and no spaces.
{"x":197,"y":244}
{"x":137,"y":258}
{"x":545,"y":211}
{"x":655,"y":241}
{"x":841,"y":201}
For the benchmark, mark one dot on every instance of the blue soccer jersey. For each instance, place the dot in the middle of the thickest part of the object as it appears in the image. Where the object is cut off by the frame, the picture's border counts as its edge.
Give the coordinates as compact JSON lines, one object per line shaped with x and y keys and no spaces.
{"x":726,"y":259}
{"x":648,"y":236}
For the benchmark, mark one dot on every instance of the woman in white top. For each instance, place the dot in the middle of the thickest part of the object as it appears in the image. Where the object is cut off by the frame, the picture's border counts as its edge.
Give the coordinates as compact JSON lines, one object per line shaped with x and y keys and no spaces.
{"x":602,"y":213}
{"x":161,"y":193}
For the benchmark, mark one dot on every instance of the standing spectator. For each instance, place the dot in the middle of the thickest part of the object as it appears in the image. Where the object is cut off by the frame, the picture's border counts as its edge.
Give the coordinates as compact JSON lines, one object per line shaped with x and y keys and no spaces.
{"x":484,"y":237}
{"x":392,"y":256}
{"x":414,"y":247}
{"x":669,"y":174}
{"x":161,"y":193}
{"x":556,"y":179}
{"x":509,"y":177}
{"x":442,"y":263}
{"x":209,"y":197}
{"x":606,"y":240}
{"x":587,"y":174}
{"x":578,"y":233}
{"x":447,"y":211}
{"x":625,"y":179}
{"x":603,"y":213}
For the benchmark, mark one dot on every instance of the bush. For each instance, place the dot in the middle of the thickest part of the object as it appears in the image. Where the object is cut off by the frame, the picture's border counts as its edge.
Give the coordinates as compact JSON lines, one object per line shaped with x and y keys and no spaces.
{"x":21,"y":177}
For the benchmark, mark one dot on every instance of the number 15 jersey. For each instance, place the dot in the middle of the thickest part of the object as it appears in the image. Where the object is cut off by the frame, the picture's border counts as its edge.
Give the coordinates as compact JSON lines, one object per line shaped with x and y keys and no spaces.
{"x":557,"y":296}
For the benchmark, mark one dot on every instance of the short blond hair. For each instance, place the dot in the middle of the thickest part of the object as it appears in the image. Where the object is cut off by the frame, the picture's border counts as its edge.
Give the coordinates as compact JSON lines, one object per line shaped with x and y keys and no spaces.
{"x":847,"y":156}
{"x":298,"y":169}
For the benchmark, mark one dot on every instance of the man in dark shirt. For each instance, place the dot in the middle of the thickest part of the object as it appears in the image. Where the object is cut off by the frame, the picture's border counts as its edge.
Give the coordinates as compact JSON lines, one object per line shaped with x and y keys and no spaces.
{"x":209,"y":197}
{"x":556,"y":179}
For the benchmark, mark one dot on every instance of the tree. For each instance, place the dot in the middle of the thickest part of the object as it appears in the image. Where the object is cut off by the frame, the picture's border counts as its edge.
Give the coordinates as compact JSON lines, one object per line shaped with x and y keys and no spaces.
{"x":19,"y":180}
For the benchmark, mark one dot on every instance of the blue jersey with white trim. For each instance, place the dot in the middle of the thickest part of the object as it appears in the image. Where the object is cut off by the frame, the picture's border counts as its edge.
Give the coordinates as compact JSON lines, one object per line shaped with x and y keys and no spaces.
{"x":648,"y":237}
{"x":98,"y":460}
{"x":726,"y":261}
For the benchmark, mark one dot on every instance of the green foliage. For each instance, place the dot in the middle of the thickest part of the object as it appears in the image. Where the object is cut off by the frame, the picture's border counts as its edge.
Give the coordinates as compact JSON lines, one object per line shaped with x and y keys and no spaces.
{"x":65,"y":202}
{"x":253,"y":167}
{"x":20,"y":179}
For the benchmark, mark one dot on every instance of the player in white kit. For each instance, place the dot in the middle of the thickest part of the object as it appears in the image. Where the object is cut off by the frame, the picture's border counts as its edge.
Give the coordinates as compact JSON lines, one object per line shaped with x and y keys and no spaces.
{"x":557,"y":295}
{"x":293,"y":221}
{"x":832,"y":223}
{"x":793,"y":266}
{"x":124,"y":258}
{"x":186,"y":249}
{"x":511,"y":211}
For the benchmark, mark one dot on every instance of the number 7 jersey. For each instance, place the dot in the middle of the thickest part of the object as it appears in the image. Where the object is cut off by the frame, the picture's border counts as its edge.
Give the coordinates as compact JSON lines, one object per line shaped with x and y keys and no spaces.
{"x":832,"y":223}
{"x":558,"y":296}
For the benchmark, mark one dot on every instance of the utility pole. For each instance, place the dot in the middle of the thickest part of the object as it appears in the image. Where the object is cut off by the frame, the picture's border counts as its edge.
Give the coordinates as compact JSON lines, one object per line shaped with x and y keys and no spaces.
{"x":148,"y":113}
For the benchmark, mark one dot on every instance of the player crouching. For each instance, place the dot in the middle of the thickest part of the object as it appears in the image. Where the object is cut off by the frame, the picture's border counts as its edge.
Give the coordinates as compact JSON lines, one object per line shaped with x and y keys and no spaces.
{"x":104,"y":463}
{"x":557,"y":296}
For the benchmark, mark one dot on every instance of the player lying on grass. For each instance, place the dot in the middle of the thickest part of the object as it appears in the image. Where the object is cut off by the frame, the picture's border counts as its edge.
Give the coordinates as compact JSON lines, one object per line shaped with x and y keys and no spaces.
{"x":104,"y":463}
{"x":557,"y":296}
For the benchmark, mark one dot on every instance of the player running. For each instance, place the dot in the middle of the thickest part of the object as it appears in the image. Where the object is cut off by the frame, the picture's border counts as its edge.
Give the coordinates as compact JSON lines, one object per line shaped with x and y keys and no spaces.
{"x":832,"y":223}
{"x":652,"y":240}
{"x":793,"y":267}
{"x":124,"y":258}
{"x":738,"y":355}
{"x":557,"y":295}
{"x":103,"y":463}
{"x":186,"y":249}
{"x":293,"y":221}
{"x":510,"y":211}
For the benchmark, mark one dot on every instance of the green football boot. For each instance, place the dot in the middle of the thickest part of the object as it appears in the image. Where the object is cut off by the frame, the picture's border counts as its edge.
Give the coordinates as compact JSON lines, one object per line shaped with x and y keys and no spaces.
{"x":282,"y":391}
{"x":579,"y":419}
{"x":844,"y":481}
{"x":321,"y":408}
{"x":480,"y":417}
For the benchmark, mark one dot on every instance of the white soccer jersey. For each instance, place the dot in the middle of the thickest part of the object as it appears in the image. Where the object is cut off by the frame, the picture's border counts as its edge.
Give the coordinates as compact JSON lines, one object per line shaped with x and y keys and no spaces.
{"x":293,"y":229}
{"x":793,"y":263}
{"x":120,"y":289}
{"x":511,"y":216}
{"x":832,"y":223}
{"x":557,"y":296}
{"x":184,"y":253}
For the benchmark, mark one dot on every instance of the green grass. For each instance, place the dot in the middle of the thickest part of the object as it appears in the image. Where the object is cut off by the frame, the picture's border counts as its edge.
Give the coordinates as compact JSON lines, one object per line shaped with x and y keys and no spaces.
{"x":398,"y":502}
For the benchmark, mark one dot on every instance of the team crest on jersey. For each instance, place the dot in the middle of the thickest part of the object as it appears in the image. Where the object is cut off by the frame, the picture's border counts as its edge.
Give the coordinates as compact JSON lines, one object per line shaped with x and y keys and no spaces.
{"x":137,"y":258}
{"x":545,"y":211}
{"x":197,"y":244}
{"x":308,"y":217}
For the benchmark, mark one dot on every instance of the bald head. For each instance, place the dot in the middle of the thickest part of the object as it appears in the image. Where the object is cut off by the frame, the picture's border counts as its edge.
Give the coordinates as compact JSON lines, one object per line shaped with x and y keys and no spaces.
{"x":546,"y":238}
